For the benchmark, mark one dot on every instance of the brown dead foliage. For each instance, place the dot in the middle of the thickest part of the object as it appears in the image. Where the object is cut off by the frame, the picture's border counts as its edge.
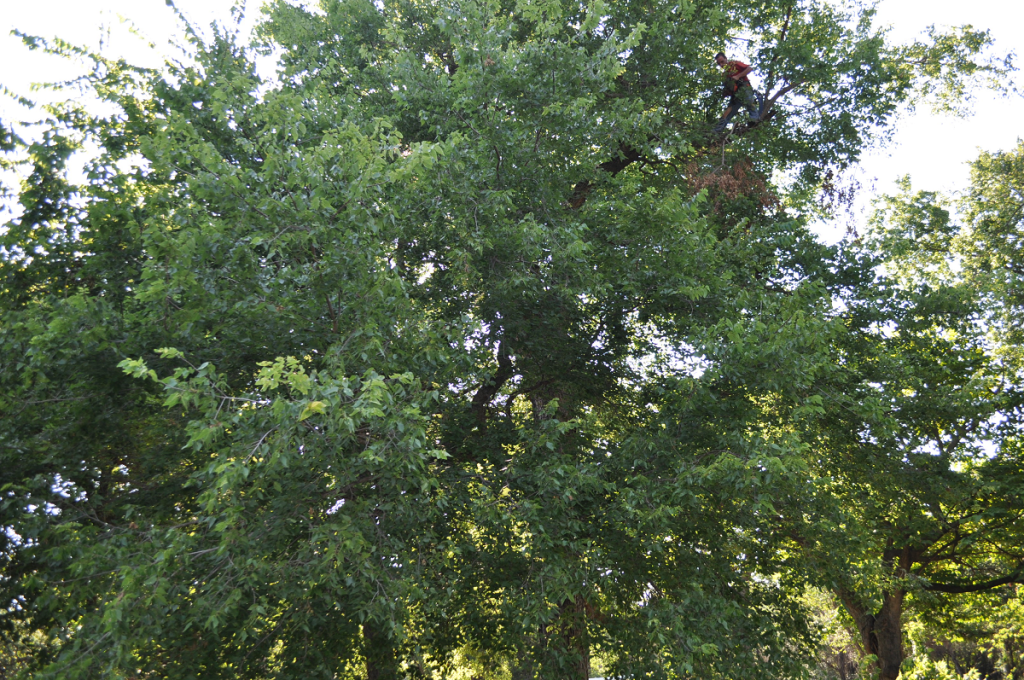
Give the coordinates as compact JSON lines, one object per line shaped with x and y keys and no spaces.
{"x":726,"y":185}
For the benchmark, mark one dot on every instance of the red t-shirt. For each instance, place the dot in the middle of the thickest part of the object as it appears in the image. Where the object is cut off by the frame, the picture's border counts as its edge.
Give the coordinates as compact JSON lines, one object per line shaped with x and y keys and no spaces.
{"x":733,"y":67}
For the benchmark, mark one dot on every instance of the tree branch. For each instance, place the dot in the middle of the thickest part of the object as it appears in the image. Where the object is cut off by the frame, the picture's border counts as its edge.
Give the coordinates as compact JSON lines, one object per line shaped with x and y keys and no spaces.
{"x":955,"y":588}
{"x":627,"y":156}
{"x":486,"y":393}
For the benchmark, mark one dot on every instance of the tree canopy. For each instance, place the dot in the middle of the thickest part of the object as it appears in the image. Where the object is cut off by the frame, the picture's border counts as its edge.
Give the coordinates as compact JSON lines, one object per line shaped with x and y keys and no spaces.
{"x":464,"y":342}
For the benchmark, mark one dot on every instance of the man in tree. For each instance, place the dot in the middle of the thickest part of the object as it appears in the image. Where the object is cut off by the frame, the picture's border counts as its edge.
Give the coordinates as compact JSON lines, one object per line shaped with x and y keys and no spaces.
{"x":739,"y":89}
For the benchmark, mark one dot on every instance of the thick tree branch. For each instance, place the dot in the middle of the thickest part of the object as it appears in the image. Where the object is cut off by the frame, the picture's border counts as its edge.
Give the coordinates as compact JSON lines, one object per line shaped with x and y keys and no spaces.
{"x":956,"y":588}
{"x":627,"y":156}
{"x":489,"y":389}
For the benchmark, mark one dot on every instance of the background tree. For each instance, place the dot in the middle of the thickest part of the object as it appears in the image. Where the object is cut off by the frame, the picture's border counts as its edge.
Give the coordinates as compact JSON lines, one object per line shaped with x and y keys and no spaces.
{"x":971,"y":637}
{"x":993,"y":214}
{"x":922,"y":456}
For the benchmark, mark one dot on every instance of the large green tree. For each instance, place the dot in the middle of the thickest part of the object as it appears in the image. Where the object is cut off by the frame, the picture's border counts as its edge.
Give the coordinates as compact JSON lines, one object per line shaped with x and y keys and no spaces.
{"x":464,"y":335}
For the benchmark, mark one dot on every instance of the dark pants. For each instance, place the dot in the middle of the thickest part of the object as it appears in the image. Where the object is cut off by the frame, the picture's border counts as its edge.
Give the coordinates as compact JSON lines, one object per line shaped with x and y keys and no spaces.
{"x":743,"y":97}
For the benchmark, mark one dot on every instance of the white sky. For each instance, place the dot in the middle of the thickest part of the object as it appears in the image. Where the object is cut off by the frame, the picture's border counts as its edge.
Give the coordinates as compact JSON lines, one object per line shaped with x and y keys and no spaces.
{"x":933,"y":150}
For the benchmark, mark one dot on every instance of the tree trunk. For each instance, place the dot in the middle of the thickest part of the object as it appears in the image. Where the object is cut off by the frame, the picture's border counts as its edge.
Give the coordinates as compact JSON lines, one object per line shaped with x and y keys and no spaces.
{"x":889,"y":634}
{"x":563,"y":645}
{"x":881,"y":634}
{"x":574,"y":638}
{"x":379,"y":651}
